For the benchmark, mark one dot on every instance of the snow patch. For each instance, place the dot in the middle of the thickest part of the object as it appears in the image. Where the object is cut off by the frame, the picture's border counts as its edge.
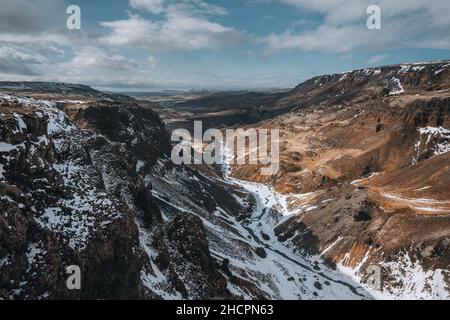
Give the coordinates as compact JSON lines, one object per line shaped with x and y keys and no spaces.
{"x":398,"y":88}
{"x":436,"y":139}
{"x":20,"y":122}
{"x":442,"y":69}
{"x":2,"y":172}
{"x":6,"y":147}
{"x":404,"y":69}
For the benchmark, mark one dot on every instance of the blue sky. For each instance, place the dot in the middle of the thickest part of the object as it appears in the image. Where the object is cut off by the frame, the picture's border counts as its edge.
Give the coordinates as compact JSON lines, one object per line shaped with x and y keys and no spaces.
{"x":148,"y":45}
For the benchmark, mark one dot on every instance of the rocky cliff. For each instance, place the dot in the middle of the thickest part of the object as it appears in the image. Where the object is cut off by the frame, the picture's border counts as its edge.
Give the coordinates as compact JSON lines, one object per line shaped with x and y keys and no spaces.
{"x":369,"y":150}
{"x":72,"y":192}
{"x":86,"y":180}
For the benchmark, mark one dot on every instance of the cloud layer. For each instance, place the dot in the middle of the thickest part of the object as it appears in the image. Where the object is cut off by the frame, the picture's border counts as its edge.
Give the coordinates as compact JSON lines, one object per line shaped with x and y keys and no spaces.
{"x":413,"y":23}
{"x":31,"y":48}
{"x":131,"y":50}
{"x":177,"y":31}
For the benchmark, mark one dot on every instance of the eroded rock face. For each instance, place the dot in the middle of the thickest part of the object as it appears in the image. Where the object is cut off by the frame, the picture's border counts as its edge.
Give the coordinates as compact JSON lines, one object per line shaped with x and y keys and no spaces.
{"x":370,"y":151}
{"x":57,"y":212}
{"x":138,"y":129}
{"x":364,"y":180}
{"x":72,"y":193}
{"x":190,"y":255}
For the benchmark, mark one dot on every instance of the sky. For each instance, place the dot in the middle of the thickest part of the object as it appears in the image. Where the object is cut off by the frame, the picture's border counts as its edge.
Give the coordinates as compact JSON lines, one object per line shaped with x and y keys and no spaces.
{"x":151,"y":45}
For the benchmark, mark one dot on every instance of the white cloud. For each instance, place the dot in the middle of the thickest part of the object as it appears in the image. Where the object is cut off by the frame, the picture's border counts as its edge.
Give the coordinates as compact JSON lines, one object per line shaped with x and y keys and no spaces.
{"x":192,"y":6}
{"x":34,"y":44}
{"x":342,"y":11}
{"x":413,"y":23}
{"x":203,"y":7}
{"x":15,"y":60}
{"x":20,"y":55}
{"x":101,"y":57}
{"x":152,"y":6}
{"x":27,"y":58}
{"x":337,"y":11}
{"x":93,"y":58}
{"x":152,"y":62}
{"x":377,"y":58}
{"x":323,"y":38}
{"x":178,"y":31}
{"x":183,"y":25}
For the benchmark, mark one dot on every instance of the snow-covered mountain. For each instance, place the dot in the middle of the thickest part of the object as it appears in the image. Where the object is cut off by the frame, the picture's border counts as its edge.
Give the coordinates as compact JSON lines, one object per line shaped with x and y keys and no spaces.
{"x":86,"y":180}
{"x":98,"y":190}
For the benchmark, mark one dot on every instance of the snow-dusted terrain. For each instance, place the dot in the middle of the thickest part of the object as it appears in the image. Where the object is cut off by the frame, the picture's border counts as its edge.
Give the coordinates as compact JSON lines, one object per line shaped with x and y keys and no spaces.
{"x":298,"y":276}
{"x":345,"y":282}
{"x":434,"y":139}
{"x":86,"y":179}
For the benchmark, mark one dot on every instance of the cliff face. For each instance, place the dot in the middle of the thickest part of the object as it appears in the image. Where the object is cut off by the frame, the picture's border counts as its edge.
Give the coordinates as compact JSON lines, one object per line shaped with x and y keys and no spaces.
{"x":365,"y":84}
{"x":72,"y":193}
{"x":370,"y":151}
{"x":56,"y":209}
{"x":86,"y":180}
{"x":344,"y":126}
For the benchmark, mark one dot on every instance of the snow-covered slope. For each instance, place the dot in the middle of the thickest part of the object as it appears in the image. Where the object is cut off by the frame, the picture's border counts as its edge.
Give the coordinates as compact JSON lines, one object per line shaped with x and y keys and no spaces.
{"x":178,"y":232}
{"x":86,"y":179}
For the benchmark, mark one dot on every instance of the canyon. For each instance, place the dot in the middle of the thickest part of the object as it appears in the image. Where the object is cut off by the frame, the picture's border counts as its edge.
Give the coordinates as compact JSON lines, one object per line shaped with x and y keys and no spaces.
{"x":86,"y":179}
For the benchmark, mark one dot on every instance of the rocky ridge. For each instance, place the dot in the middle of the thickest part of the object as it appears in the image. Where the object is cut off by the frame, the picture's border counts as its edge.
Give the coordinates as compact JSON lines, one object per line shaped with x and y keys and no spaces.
{"x":369,"y":152}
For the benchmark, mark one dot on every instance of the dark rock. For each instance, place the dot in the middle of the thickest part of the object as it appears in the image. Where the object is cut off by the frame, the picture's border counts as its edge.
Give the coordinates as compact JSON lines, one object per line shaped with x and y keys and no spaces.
{"x":261,"y":252}
{"x":265,"y":236}
{"x":362,"y":216}
{"x":191,"y":254}
{"x":318,"y":285}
